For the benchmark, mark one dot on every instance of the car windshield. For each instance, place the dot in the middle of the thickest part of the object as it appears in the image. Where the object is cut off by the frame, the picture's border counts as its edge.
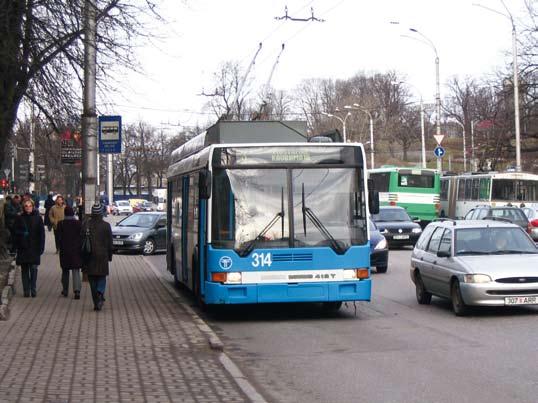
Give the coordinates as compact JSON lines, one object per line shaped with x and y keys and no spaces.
{"x":493,"y":240}
{"x":122,"y":203}
{"x":139,"y":220}
{"x":391,"y":214}
{"x":513,"y":214}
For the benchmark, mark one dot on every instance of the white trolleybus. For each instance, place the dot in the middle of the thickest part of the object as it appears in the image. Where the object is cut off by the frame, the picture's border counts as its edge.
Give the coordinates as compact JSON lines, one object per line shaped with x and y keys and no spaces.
{"x":460,"y":193}
{"x":257,"y":214}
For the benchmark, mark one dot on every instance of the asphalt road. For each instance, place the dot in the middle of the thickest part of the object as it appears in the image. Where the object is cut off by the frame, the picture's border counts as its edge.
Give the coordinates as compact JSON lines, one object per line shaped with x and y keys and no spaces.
{"x":389,"y":350}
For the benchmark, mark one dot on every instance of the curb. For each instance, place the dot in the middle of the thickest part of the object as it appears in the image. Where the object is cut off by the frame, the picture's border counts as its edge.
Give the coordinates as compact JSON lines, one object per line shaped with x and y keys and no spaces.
{"x":8,"y":292}
{"x":213,"y":339}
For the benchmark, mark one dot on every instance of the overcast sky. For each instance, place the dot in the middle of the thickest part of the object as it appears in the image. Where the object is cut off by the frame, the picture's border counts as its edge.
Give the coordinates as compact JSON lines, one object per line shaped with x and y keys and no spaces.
{"x":356,"y":36}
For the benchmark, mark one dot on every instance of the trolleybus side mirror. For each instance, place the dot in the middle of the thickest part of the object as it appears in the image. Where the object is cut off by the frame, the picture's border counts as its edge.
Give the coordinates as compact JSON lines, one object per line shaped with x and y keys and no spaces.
{"x":204,"y":184}
{"x":373,"y":198}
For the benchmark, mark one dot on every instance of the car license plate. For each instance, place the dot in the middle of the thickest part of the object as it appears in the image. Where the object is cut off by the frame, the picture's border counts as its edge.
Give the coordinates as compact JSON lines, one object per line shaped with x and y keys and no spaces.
{"x":400,"y":237}
{"x":117,"y":242}
{"x":521,"y":300}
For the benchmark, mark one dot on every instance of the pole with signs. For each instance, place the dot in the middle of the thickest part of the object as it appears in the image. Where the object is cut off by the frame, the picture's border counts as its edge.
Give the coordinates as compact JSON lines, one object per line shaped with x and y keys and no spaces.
{"x":110,"y":143}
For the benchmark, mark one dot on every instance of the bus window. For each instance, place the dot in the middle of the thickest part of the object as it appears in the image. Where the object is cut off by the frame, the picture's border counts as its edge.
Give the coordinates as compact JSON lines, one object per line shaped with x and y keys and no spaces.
{"x":484,"y":189}
{"x":415,"y":181}
{"x":468,"y":187}
{"x":461,"y":189}
{"x":475,"y":189}
{"x":444,"y":189}
{"x":381,"y":181}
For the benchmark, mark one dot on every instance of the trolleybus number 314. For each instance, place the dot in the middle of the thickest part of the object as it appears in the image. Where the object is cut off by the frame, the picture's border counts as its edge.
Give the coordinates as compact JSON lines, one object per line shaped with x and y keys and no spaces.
{"x":261,"y":259}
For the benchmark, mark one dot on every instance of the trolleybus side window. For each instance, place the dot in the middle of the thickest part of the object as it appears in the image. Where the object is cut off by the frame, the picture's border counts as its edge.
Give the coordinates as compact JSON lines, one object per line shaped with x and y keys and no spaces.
{"x":468,"y":188}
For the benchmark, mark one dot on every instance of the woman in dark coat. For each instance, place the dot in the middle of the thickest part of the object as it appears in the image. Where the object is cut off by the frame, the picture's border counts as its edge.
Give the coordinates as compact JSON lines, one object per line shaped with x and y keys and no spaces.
{"x":29,"y":245}
{"x":96,"y":265}
{"x":48,"y":204}
{"x":69,"y":240}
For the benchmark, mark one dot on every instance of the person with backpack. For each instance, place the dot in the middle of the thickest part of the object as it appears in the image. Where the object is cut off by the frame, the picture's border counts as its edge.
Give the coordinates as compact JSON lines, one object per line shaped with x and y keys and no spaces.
{"x":70,"y":243}
{"x":95,"y":263}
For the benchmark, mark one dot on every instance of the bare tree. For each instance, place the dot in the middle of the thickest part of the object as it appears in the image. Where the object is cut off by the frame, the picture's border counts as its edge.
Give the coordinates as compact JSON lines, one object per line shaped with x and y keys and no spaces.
{"x":41,"y":54}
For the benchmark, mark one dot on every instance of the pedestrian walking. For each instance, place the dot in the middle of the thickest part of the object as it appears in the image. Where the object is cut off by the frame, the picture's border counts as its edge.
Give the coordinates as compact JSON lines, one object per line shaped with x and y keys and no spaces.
{"x":69,"y":201}
{"x":56,"y":214}
{"x":48,"y":205}
{"x":96,"y":265}
{"x":70,"y":242}
{"x":29,"y":236}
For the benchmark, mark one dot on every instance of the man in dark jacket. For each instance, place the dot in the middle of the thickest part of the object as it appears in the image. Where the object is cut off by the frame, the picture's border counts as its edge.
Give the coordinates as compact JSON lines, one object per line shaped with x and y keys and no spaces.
{"x":69,"y":240}
{"x":48,"y":204}
{"x":96,"y":265}
{"x":29,"y":235}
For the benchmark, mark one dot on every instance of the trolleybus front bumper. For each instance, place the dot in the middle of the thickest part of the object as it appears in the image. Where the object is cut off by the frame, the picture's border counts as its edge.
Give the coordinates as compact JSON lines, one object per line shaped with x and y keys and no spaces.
{"x":217,"y":293}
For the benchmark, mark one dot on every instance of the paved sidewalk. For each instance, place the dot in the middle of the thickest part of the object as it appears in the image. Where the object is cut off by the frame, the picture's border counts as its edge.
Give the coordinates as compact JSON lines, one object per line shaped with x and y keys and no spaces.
{"x":142,"y":347}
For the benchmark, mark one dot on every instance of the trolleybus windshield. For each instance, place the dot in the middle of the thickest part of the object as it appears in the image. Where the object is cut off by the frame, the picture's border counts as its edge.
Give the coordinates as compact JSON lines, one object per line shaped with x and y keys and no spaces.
{"x":287,"y":206}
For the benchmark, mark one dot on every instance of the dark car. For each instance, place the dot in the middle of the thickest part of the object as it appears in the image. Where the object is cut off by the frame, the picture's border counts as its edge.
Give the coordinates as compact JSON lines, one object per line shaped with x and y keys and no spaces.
{"x":511,"y":214}
{"x":379,"y":251}
{"x":396,"y":226}
{"x":142,"y":232}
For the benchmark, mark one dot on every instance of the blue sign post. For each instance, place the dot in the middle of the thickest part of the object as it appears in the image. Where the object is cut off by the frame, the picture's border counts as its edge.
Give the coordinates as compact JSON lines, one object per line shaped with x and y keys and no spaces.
{"x":110,"y":134}
{"x":439,"y":151}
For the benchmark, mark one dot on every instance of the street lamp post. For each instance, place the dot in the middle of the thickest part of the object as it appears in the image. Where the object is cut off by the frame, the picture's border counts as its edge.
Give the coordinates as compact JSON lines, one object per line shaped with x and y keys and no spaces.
{"x":437,"y":87}
{"x":464,"y":147}
{"x":343,"y":121}
{"x":360,"y":108}
{"x":515,"y":78}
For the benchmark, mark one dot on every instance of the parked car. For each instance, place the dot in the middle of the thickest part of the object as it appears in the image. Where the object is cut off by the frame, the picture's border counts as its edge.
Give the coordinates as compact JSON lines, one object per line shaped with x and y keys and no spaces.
{"x":532,"y":215}
{"x":379,"y":251}
{"x":121,"y":207}
{"x":512,"y":214}
{"x":396,"y":226}
{"x":143,"y":232}
{"x":475,"y":262}
{"x":147,"y":206}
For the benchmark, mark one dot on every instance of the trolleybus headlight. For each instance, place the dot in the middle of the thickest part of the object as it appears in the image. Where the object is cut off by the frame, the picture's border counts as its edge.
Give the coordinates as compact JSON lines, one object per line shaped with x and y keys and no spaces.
{"x":234,"y":277}
{"x":136,"y":236}
{"x":416,"y":230}
{"x":381,"y":244}
{"x":477,"y":278}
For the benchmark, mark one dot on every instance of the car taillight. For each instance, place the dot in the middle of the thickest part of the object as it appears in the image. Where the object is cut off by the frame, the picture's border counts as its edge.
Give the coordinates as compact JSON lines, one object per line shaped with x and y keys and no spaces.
{"x":534,"y":222}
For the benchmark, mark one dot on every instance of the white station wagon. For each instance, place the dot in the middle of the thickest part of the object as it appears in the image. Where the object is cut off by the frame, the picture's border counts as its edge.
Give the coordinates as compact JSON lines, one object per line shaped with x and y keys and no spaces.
{"x":481,"y":263}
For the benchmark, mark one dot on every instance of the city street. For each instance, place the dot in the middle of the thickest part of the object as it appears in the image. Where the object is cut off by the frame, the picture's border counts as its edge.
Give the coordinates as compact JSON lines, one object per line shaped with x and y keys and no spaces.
{"x":389,"y":350}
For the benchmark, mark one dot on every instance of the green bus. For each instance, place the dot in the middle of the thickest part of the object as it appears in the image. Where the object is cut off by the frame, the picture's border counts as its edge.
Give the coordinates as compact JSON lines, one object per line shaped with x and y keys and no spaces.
{"x":415,"y":189}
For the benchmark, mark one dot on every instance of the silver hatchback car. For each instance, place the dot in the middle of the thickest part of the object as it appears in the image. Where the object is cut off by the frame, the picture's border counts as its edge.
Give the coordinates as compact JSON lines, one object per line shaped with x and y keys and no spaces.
{"x":481,"y":263}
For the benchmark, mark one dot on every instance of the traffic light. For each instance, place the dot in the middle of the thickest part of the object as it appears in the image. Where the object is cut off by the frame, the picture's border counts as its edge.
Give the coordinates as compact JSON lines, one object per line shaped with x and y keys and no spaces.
{"x":3,"y":183}
{"x":30,"y":176}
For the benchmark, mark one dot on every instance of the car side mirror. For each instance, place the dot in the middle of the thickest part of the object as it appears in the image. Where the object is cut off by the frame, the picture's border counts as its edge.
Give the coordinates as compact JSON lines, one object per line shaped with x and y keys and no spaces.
{"x":373,"y":198}
{"x":204,"y":184}
{"x":443,"y":253}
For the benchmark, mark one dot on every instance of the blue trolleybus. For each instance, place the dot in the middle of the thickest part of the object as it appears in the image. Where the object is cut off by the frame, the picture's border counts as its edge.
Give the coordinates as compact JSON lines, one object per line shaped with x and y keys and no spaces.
{"x":252,"y":221}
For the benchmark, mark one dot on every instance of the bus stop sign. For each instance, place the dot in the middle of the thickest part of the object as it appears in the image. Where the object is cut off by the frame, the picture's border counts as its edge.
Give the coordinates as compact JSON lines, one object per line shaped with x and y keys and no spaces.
{"x":439,"y":151}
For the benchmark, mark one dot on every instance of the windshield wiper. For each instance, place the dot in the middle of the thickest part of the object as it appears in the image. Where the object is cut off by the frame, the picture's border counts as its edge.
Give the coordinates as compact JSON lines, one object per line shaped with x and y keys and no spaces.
{"x":249,"y":245}
{"x":307,"y":212}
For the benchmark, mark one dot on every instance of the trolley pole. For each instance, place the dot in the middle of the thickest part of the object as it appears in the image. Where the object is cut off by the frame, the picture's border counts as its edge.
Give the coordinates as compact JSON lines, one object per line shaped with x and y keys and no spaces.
{"x":89,"y":116}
